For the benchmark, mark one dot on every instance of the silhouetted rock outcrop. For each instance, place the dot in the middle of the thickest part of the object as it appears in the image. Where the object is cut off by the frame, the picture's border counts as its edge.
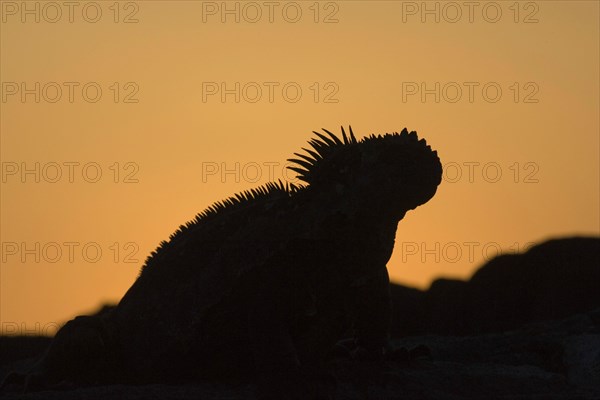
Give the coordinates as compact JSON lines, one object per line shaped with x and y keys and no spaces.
{"x":407,"y":302}
{"x":552,"y":280}
{"x":444,"y":295}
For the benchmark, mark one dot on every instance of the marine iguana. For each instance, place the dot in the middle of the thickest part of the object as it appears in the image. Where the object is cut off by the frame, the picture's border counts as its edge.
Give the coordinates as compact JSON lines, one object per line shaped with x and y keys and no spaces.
{"x":266,"y":282}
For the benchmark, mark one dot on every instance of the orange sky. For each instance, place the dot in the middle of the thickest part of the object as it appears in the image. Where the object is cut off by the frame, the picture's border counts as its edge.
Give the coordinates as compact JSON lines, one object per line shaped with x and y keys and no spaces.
{"x":516,"y":125}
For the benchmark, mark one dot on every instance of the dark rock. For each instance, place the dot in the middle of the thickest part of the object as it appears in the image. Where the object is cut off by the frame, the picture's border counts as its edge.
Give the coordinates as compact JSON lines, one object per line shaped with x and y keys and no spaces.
{"x":445,"y":306}
{"x":553,"y":280}
{"x":408,"y":310}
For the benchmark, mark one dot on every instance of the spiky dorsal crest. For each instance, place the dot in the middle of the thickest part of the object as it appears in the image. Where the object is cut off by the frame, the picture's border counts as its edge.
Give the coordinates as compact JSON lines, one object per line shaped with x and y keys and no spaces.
{"x":245,"y":197}
{"x":318,"y":165}
{"x":322,"y":149}
{"x":271,"y":190}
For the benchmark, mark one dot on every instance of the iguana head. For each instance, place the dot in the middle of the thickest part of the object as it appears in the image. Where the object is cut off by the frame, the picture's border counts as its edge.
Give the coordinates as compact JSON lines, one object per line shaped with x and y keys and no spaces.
{"x":387,"y":174}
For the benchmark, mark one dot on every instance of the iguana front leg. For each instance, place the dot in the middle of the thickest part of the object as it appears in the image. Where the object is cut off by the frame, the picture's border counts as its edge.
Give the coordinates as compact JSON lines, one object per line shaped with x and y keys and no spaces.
{"x":275,"y":360}
{"x":372,"y":312}
{"x":287,"y":353}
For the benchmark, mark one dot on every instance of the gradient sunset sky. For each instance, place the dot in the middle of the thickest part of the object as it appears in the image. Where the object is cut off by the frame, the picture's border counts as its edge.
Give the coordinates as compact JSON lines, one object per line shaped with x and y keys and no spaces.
{"x":132,"y":117}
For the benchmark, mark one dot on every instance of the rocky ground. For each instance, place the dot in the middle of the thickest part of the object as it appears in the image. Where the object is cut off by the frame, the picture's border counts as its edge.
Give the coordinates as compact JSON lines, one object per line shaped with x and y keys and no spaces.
{"x":546,"y":360}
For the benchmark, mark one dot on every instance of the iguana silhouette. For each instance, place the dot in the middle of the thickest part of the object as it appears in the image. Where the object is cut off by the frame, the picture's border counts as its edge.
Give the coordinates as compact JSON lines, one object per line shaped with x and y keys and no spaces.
{"x":264,"y":283}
